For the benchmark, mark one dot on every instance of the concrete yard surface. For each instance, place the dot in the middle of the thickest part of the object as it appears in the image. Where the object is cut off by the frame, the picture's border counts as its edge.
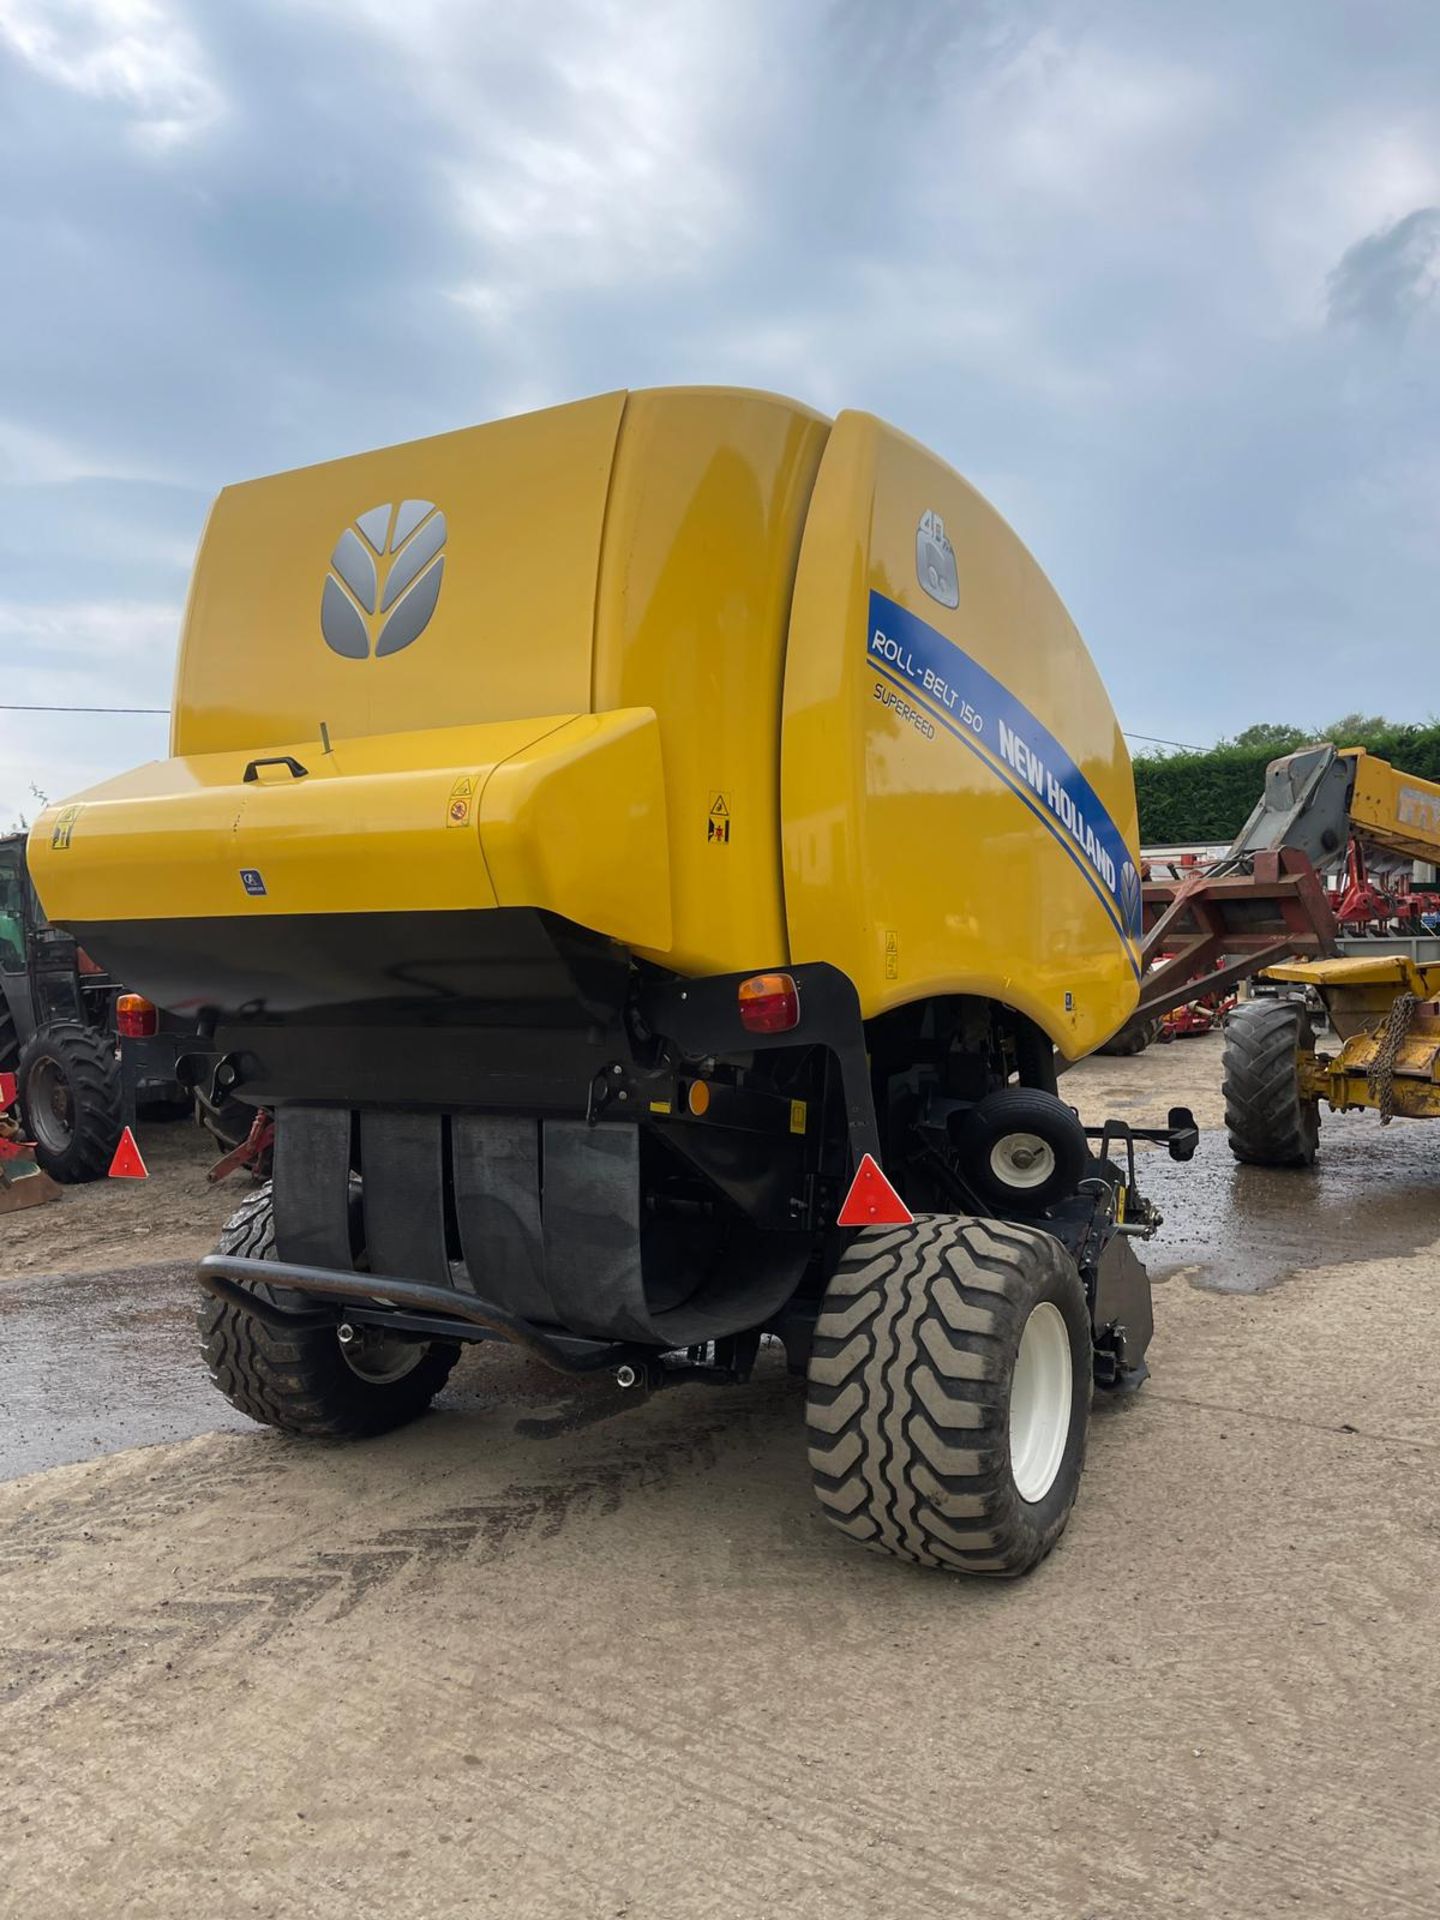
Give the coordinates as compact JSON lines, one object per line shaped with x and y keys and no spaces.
{"x":548,"y":1654}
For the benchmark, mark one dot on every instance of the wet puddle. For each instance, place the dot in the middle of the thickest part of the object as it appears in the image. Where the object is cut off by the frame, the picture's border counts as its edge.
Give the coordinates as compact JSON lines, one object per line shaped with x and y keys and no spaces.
{"x":97,"y":1362}
{"x":1373,"y":1193}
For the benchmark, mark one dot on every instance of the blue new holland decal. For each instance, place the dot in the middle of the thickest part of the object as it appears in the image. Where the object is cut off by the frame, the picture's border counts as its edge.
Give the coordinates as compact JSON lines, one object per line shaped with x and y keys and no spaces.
{"x":973,"y":705}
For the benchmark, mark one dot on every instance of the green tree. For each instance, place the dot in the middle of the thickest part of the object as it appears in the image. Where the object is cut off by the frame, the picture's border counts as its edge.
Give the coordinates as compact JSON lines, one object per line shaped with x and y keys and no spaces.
{"x":1273,"y":735}
{"x":1357,"y":729}
{"x":1207,"y":797}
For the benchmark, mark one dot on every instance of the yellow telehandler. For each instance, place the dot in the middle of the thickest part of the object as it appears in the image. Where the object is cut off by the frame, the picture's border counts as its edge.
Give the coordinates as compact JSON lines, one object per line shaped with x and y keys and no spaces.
{"x":1384,"y":1010}
{"x":647,"y":854}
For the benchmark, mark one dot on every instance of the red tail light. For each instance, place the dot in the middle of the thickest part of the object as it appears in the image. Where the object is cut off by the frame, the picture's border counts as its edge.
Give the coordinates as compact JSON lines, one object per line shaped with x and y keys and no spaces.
{"x":136,"y":1018}
{"x":769,"y":1003}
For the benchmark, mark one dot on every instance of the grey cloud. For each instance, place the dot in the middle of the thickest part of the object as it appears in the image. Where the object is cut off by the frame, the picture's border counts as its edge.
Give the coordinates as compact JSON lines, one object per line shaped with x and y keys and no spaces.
{"x":1390,"y":278}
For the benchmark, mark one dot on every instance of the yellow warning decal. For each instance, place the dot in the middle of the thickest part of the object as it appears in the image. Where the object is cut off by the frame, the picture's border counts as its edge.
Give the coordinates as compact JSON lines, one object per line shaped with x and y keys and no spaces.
{"x":64,"y":827}
{"x":797,"y":1116}
{"x":462,"y":799}
{"x":661,"y":1106}
{"x":717,"y":826}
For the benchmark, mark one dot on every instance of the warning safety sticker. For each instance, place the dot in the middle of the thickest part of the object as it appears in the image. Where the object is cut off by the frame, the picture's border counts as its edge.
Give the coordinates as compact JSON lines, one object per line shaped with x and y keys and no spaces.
{"x":462,"y":799}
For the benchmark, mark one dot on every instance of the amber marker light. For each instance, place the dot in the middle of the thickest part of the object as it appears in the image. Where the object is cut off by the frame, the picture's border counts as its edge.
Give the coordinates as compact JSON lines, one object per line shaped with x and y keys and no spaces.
{"x":136,"y":1017}
{"x":769,"y":1003}
{"x":698,"y":1098}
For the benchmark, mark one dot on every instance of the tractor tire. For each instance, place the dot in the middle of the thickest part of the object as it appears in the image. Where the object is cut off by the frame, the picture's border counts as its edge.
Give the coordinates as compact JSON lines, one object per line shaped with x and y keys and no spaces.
{"x":1268,"y":1123}
{"x":1021,"y":1148}
{"x":9,"y":1041}
{"x":71,"y":1100}
{"x":1131,"y":1039}
{"x":302,"y":1380}
{"x":949,"y":1393}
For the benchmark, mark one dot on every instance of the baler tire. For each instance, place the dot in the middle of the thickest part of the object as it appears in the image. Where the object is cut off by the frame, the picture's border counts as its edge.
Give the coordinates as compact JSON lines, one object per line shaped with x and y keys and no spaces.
{"x":299,"y":1379}
{"x":81,"y":1145}
{"x":1015,"y":1114}
{"x":916,"y":1430}
{"x":1266,"y":1120}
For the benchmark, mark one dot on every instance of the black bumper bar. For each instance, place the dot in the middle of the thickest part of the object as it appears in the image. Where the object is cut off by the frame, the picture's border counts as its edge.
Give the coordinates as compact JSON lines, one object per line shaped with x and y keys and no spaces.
{"x":222,"y":1273}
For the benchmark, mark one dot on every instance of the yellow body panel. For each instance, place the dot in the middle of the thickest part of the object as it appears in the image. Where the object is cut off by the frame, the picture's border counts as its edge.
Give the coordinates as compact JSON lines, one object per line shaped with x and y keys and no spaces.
{"x":580,"y":817}
{"x":516,"y":814}
{"x":917,"y":857}
{"x":1393,"y":970}
{"x":648,"y":697}
{"x":1349,"y":1081}
{"x":510,"y":637}
{"x":707,"y":506}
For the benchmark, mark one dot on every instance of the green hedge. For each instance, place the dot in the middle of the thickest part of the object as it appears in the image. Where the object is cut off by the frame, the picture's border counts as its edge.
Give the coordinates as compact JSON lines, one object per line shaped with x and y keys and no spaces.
{"x":1209,"y":796}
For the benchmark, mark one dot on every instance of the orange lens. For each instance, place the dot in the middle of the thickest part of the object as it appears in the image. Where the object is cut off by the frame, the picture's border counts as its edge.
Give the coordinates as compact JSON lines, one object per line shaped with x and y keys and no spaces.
{"x":698,"y":1098}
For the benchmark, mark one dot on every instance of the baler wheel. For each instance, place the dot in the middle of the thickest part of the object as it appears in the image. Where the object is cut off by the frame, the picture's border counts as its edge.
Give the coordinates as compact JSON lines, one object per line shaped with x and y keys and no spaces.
{"x":303,"y":1380}
{"x":949,"y":1394}
{"x":1020,"y":1148}
{"x":1267,"y":1121}
{"x":71,"y":1100}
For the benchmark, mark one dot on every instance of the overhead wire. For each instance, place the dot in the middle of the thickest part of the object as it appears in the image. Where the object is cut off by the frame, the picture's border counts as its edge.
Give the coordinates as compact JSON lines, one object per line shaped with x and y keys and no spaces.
{"x":7,"y":706}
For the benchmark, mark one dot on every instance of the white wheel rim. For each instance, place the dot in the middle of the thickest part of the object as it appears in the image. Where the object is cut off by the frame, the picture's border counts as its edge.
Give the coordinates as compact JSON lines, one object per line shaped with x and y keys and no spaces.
{"x":1022,"y":1160}
{"x":1041,"y":1391}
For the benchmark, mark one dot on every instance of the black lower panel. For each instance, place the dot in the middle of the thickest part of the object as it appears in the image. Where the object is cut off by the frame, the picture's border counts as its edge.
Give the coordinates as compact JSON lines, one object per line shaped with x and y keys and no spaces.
{"x":552,"y":1217}
{"x":312,"y":1186}
{"x":418,"y":1062}
{"x":496,"y":1170}
{"x":402,"y":1185}
{"x":594,"y":1260}
{"x":511,"y":958}
{"x":1122,"y":1298}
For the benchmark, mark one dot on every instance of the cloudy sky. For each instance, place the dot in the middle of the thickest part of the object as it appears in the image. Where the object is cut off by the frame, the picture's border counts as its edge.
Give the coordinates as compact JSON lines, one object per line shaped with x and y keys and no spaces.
{"x":1163,"y":280}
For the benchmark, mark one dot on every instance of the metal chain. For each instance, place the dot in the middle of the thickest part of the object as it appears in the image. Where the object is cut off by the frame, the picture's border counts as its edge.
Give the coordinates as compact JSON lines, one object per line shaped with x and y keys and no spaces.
{"x":1382,"y":1072}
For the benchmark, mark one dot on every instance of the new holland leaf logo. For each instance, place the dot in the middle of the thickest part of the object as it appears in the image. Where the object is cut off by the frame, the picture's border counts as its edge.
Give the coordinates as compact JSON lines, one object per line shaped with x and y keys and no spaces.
{"x":1132,"y":900}
{"x":384,"y":580}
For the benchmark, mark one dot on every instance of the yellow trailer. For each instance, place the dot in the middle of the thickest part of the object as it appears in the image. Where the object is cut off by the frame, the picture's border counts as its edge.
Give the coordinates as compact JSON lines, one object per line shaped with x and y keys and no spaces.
{"x":606,"y":839}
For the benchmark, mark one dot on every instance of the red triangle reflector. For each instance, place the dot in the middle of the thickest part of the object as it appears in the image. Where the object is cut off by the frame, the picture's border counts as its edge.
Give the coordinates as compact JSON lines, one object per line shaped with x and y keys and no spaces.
{"x":127,"y":1164}
{"x":9,"y":1089}
{"x":872,"y":1201}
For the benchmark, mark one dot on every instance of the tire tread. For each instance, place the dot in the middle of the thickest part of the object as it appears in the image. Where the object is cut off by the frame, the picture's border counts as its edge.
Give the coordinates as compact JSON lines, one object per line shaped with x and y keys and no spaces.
{"x":1266,"y":1121}
{"x":97,"y":1103}
{"x":299,"y":1381}
{"x":909,"y":1392}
